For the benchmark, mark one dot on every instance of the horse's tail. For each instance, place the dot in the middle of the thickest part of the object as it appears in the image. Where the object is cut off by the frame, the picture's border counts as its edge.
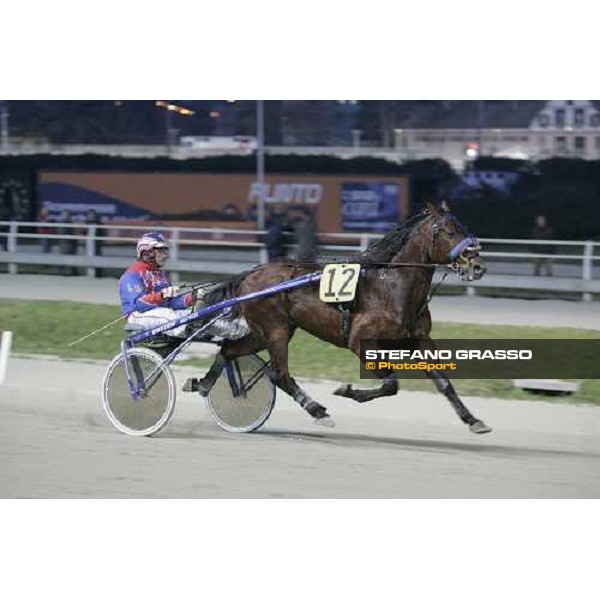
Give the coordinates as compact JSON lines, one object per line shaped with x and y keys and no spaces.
{"x":223,"y":291}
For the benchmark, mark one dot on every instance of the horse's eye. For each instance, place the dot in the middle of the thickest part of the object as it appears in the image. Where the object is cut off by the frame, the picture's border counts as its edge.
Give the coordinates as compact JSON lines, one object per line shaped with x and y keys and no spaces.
{"x":451,"y":234}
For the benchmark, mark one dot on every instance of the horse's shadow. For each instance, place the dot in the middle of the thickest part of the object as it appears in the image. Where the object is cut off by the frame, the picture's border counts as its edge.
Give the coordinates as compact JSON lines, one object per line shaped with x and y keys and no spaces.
{"x":357,"y":440}
{"x":208,"y":430}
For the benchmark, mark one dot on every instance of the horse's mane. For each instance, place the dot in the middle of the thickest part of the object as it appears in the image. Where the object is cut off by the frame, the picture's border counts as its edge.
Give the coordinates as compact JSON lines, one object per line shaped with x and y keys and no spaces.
{"x":383,"y":250}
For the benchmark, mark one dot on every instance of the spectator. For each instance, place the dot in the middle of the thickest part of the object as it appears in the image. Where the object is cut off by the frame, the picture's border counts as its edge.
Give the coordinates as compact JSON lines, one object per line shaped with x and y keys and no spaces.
{"x":67,"y":245}
{"x":306,"y":236}
{"x":5,"y":215}
{"x":46,"y":242}
{"x":542,"y":231}
{"x":275,"y":239}
{"x":92,"y":218}
{"x":231,"y":210}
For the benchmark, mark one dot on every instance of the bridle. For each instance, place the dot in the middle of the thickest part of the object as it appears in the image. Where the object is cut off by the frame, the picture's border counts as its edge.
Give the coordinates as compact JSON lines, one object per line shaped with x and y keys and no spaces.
{"x":461,"y":255}
{"x":468,"y":245}
{"x":465,"y":250}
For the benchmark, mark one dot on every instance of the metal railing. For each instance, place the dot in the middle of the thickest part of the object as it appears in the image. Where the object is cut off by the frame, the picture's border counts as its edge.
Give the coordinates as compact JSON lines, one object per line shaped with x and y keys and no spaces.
{"x":229,"y":251}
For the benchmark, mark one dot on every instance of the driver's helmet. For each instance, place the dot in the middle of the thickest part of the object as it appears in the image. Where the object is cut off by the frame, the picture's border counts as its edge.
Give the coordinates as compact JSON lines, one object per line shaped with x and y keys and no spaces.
{"x":149,"y":242}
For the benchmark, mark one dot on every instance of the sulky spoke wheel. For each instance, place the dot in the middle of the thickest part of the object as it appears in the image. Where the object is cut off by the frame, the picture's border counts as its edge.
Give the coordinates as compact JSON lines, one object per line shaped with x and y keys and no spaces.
{"x":149,"y":412}
{"x":244,"y":395}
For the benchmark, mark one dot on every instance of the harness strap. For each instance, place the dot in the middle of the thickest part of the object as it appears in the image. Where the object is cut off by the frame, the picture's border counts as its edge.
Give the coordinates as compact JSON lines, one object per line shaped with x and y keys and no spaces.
{"x":345,"y":309}
{"x":431,"y":295}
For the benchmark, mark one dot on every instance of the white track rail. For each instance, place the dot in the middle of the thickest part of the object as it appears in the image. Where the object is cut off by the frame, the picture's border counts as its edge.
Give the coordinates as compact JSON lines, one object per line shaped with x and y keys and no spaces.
{"x":5,"y":343}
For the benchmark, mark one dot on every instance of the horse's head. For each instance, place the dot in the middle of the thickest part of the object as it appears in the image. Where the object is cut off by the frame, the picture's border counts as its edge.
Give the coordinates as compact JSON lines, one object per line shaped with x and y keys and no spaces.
{"x":451,"y":243}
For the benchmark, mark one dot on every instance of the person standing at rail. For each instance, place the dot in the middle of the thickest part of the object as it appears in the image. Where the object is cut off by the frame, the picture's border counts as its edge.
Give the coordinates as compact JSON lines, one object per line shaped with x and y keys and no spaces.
{"x":5,"y":215}
{"x":148,"y":299}
{"x":542,"y":231}
{"x":68,"y":243}
{"x":92,"y":218}
{"x":306,"y":236}
{"x":45,"y":242}
{"x":275,"y":237}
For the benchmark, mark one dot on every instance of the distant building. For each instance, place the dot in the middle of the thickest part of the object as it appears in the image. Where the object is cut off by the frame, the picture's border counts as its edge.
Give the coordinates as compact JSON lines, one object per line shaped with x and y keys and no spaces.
{"x":318,"y":122}
{"x":459,"y":131}
{"x":206,"y":142}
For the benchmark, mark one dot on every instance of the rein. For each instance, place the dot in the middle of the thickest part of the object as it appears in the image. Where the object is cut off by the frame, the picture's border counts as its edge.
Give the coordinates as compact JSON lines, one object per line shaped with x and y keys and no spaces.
{"x":430,"y":295}
{"x":372,"y":265}
{"x":445,"y":266}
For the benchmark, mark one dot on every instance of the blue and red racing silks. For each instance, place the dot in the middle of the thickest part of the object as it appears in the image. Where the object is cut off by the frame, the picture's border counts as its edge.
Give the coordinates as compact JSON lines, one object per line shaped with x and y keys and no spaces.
{"x":140,"y":287}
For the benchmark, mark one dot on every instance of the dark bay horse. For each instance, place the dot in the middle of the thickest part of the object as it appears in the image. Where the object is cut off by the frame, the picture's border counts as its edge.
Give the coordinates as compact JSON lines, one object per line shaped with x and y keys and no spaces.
{"x":390,"y":303}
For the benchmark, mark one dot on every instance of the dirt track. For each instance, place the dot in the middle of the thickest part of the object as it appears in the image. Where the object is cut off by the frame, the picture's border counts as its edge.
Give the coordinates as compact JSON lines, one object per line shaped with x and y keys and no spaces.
{"x":57,"y":444}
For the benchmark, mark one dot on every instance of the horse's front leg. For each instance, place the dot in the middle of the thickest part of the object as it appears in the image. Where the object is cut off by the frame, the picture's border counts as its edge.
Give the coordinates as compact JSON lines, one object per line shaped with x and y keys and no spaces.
{"x":443,"y":385}
{"x":278,"y":353}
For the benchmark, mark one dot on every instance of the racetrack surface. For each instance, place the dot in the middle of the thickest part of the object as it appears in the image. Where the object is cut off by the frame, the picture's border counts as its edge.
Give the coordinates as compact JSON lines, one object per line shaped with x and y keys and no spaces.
{"x":57,"y":443}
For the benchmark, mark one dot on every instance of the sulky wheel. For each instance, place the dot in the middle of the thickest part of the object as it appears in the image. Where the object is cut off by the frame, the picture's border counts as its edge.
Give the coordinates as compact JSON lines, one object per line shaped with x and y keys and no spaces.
{"x":148,"y":412}
{"x":243,"y":397}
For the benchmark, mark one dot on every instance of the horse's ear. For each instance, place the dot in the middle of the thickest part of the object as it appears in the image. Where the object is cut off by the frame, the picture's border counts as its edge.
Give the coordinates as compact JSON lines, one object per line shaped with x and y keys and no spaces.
{"x":430,"y":208}
{"x":444,"y":207}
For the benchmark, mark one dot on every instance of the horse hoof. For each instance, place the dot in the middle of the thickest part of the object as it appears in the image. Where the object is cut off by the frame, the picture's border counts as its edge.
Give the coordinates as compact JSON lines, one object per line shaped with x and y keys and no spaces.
{"x":325,"y":421}
{"x":479,"y":427}
{"x":190,"y":385}
{"x":343,"y":390}
{"x":203,"y":388}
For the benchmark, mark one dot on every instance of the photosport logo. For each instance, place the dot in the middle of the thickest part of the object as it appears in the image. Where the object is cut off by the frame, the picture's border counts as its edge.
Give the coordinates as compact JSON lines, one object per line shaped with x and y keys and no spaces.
{"x":481,"y":359}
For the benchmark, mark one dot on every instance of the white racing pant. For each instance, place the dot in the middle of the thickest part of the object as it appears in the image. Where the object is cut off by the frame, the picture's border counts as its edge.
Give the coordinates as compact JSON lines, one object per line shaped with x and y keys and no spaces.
{"x":232,"y":329}
{"x":159,"y":316}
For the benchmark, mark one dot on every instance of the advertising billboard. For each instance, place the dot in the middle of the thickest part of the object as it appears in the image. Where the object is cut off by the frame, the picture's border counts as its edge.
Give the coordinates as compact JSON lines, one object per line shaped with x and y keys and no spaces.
{"x":370,"y":205}
{"x":338,"y":203}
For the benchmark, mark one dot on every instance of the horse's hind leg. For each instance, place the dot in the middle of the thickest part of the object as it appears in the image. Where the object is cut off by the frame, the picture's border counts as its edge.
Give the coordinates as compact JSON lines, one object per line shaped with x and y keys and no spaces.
{"x":443,"y":385}
{"x":206,"y":383}
{"x":278,"y":352}
{"x":389,"y":387}
{"x":231,"y":349}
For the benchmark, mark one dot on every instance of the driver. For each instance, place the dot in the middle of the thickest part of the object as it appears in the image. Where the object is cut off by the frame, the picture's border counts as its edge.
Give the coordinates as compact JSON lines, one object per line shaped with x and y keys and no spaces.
{"x":148,"y":298}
